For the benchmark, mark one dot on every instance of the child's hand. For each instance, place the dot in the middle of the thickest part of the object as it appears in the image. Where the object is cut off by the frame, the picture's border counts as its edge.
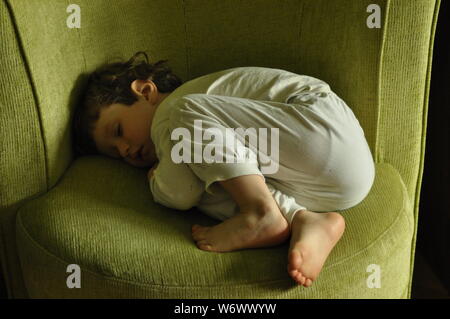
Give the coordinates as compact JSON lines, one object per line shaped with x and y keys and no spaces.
{"x":150,"y":172}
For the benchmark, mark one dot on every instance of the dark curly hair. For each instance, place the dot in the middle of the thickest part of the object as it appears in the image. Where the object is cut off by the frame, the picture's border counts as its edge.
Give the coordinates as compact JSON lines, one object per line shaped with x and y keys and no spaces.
{"x":110,"y":84}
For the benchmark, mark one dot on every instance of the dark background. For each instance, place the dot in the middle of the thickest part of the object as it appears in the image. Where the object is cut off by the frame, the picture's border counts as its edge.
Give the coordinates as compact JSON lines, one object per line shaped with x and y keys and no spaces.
{"x":433,"y":238}
{"x":432,"y":266}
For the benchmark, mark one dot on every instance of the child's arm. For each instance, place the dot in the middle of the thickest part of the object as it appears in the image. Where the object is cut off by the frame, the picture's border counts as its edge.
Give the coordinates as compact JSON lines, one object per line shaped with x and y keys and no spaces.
{"x":174,"y":185}
{"x":251,"y":192}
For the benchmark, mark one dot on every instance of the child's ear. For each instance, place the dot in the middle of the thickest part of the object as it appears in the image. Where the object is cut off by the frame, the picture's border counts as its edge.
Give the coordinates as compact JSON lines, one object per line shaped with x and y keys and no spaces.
{"x":142,"y":87}
{"x":135,"y":87}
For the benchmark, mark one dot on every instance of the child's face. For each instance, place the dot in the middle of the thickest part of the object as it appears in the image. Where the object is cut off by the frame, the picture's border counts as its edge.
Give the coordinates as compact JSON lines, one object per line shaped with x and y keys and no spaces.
{"x":124,"y":131}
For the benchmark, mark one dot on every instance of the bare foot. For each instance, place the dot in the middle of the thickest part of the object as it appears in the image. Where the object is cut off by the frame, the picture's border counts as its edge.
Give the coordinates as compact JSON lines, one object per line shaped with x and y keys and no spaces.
{"x":313,"y":237}
{"x":244,"y":230}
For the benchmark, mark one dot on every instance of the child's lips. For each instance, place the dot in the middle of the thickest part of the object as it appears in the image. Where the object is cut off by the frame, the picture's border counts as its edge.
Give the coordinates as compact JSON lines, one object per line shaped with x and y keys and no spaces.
{"x":137,"y":155}
{"x":142,"y":153}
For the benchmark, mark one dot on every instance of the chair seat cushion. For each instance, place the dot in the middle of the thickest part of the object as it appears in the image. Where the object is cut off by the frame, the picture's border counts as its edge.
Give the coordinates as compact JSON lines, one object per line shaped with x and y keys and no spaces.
{"x":101,"y":216}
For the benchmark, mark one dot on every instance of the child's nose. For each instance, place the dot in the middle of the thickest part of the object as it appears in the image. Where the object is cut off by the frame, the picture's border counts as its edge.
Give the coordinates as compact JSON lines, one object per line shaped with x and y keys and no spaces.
{"x":123,"y":149}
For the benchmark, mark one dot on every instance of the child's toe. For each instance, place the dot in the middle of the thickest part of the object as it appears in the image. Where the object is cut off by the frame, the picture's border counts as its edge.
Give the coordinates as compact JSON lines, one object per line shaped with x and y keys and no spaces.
{"x":302,"y":279}
{"x":204,"y":245}
{"x":199,"y":234}
{"x":308,"y":283}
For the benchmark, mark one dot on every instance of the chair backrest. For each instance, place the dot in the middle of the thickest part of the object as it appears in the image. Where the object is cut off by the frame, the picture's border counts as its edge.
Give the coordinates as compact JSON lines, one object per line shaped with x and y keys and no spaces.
{"x":382,"y":73}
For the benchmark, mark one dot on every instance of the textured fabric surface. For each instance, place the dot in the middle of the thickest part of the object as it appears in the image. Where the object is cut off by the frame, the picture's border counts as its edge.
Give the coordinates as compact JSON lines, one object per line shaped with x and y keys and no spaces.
{"x":382,"y":74}
{"x":22,"y":152}
{"x":407,"y":51}
{"x":119,"y":236}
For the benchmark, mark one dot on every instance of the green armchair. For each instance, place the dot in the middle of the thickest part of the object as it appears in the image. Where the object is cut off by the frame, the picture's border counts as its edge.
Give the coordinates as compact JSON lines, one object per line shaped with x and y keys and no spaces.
{"x":98,"y":213}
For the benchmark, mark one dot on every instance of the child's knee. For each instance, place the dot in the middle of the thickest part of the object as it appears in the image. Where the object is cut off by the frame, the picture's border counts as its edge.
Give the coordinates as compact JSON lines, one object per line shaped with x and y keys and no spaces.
{"x":355,"y":186}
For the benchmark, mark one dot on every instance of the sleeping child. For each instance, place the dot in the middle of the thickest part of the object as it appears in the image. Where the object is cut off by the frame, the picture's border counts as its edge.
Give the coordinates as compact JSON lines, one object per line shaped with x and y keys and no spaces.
{"x":271,"y":154}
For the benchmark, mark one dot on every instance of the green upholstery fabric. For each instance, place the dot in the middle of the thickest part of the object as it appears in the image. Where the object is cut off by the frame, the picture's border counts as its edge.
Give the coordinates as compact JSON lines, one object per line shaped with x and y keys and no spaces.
{"x":121,"y":238}
{"x":383,"y":74}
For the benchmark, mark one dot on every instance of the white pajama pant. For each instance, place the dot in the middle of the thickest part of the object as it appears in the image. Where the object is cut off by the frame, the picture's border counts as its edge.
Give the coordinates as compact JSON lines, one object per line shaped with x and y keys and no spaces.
{"x":343,"y":182}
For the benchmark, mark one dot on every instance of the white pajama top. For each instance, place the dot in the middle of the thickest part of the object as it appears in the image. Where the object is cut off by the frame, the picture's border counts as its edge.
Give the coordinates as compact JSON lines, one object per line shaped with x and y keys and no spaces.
{"x":291,"y":129}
